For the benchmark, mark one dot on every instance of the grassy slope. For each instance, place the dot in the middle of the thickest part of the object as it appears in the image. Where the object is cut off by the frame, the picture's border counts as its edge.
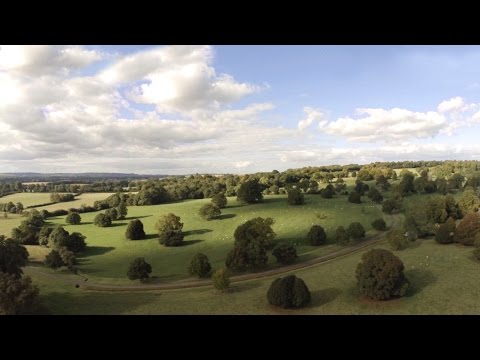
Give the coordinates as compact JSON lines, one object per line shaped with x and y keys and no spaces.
{"x":444,"y":283}
{"x":27,"y":199}
{"x":110,"y":253}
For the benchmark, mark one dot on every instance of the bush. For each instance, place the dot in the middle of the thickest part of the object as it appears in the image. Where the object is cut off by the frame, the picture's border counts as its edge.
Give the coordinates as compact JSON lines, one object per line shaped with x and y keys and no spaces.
{"x":68,"y":257}
{"x":285,"y":253}
{"x":354,"y":197}
{"x":295,"y":197}
{"x":380,"y":275}
{"x":250,"y":192}
{"x":445,"y":232}
{"x":341,"y":236}
{"x":76,"y":242}
{"x":73,"y":218}
{"x":18,"y":296}
{"x":169,"y":230}
{"x":199,"y":266}
{"x":375,"y":195}
{"x":289,"y":292}
{"x":139,"y":269}
{"x":397,"y":240}
{"x":112,"y":213}
{"x":135,"y":230}
{"x":221,"y":279}
{"x":379,"y":224}
{"x":467,"y":230}
{"x":43,"y":235}
{"x":389,"y":206}
{"x":102,"y":220}
{"x":220,"y":200}
{"x":317,"y":236}
{"x":54,"y":260}
{"x":209,"y":211}
{"x":356,"y":231}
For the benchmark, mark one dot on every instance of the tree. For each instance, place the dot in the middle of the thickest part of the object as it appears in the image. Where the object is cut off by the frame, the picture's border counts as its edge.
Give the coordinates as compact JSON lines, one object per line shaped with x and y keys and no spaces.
{"x":122,"y":210}
{"x":295,"y":197}
{"x":380,"y":275}
{"x":469,"y":201}
{"x":18,"y":296}
{"x":73,"y":218}
{"x":112,"y":213}
{"x":250,"y":192}
{"x":317,"y":236}
{"x":58,"y":237}
{"x":170,"y":230}
{"x":356,"y":231}
{"x":221,"y":279}
{"x":406,"y":185}
{"x":341,"y":237}
{"x":285,"y":253}
{"x":220,"y":200}
{"x":329,"y":191}
{"x":390,"y":205}
{"x":135,"y":230}
{"x":68,"y":257}
{"x":54,"y":260}
{"x":379,"y":224}
{"x":375,"y":195}
{"x":467,"y":230}
{"x":139,"y":269}
{"x":76,"y":242}
{"x":43,"y":235}
{"x":445,"y":232}
{"x":396,"y":239}
{"x":452,"y":207}
{"x":102,"y":220}
{"x":354,"y":197}
{"x":13,"y":256}
{"x":200,"y":266}
{"x":209,"y":212}
{"x":289,"y":292}
{"x":27,"y":232}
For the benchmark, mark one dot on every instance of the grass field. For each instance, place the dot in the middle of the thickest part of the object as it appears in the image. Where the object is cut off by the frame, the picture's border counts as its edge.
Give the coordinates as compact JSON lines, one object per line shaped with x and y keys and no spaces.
{"x":444,"y":280}
{"x":109,"y":253}
{"x":7,"y":224}
{"x":27,"y":199}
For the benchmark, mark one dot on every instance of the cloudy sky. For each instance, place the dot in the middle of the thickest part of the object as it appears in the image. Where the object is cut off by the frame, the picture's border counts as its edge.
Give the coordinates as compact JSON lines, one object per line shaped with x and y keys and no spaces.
{"x":240,"y":109}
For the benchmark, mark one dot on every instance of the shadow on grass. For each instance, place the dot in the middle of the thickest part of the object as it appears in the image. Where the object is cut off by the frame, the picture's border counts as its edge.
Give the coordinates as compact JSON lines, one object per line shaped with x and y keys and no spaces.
{"x":85,"y":223}
{"x":324,"y":296}
{"x":419,"y":280}
{"x":190,"y":242}
{"x":197,"y":232}
{"x":95,"y":250}
{"x":137,"y":217}
{"x":150,"y":236}
{"x":114,"y":224}
{"x":226,"y":216}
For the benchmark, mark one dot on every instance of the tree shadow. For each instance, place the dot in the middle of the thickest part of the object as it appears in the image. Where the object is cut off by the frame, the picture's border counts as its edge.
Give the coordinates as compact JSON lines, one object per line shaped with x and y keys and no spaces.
{"x":196,"y":232}
{"x":419,"y":280}
{"x":137,"y":217}
{"x":117,"y":224}
{"x":150,"y":236}
{"x":190,"y":242}
{"x":95,"y":250}
{"x":323,"y":296}
{"x":85,"y":223}
{"x":226,"y":216}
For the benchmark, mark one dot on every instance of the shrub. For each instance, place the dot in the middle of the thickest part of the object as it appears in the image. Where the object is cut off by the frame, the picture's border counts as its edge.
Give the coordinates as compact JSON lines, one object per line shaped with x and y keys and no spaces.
{"x":112,"y":213}
{"x":209,"y":211}
{"x":54,"y":260}
{"x":220,"y":200}
{"x":139,"y":269}
{"x":317,"y":236}
{"x":102,"y":220}
{"x":341,"y":236}
{"x":445,"y":232}
{"x":199,"y":266}
{"x":356,"y":231}
{"x":380,"y":275}
{"x":467,"y":230}
{"x":397,"y":240}
{"x":379,"y":224}
{"x":295,"y":197}
{"x":73,"y":218}
{"x":354,"y":197}
{"x":285,"y":253}
{"x":169,"y":230}
{"x":250,"y":192}
{"x":18,"y":296}
{"x":289,"y":292}
{"x":221,"y":279}
{"x":135,"y":230}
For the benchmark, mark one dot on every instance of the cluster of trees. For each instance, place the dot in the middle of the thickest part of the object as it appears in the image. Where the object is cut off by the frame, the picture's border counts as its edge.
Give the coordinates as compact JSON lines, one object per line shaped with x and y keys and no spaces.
{"x":354,"y":233}
{"x":111,"y":214}
{"x":12,"y":208}
{"x":58,"y":197}
{"x":58,"y":237}
{"x":29,"y":229}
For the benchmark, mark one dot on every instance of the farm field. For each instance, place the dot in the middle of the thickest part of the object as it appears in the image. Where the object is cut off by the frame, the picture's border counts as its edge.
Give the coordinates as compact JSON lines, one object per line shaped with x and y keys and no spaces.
{"x":438,"y":274}
{"x":109,"y":252}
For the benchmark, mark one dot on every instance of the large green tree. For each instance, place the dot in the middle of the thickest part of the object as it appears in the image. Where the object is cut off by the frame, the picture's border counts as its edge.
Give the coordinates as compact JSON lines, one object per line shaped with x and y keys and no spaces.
{"x":170,"y":230}
{"x":295,"y":197}
{"x":209,"y":212}
{"x":139,"y":269}
{"x":250,"y":192}
{"x":289,"y":292}
{"x":220,"y":200}
{"x":135,"y":230}
{"x":13,"y":256}
{"x":18,"y":296}
{"x":199,"y":266}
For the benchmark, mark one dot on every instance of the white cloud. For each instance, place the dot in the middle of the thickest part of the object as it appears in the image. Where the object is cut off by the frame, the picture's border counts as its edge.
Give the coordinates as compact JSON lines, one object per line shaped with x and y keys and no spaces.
{"x":242,"y":164}
{"x":312,"y":116}
{"x":455,"y":103}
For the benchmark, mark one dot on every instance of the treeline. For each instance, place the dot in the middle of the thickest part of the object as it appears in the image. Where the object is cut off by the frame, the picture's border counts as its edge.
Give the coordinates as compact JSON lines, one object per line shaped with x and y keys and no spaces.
{"x":56,"y":197}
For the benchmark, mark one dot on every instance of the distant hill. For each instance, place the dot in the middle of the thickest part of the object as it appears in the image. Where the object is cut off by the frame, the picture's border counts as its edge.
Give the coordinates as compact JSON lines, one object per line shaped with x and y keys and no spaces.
{"x":88,"y":176}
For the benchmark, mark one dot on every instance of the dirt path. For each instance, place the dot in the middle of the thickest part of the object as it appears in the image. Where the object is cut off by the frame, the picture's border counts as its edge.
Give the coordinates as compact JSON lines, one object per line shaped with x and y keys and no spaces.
{"x":239,"y":278}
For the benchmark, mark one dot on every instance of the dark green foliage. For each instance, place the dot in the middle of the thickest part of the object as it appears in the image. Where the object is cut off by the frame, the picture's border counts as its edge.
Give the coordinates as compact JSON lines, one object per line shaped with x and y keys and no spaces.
{"x":442,"y":186}
{"x":397,"y":239}
{"x":27,"y":232}
{"x":289,"y":292}
{"x":209,"y":211}
{"x":221,"y":279}
{"x":13,"y":256}
{"x":361,"y":187}
{"x":382,"y":181}
{"x":356,"y":231}
{"x":380,"y":275}
{"x":469,"y":201}
{"x":68,"y":257}
{"x":375,"y":195}
{"x":122,"y":210}
{"x":390,"y":206}
{"x":102,"y":220}
{"x":220,"y":199}
{"x":250,"y":192}
{"x":135,"y":230}
{"x":379,"y":224}
{"x":43,"y":235}
{"x":317,"y":236}
{"x":285,"y":253}
{"x":295,"y":197}
{"x":139,"y":269}
{"x":170,"y":230}
{"x":18,"y":296}
{"x":237,"y":259}
{"x":76,"y":242}
{"x":452,"y":207}
{"x":58,"y":238}
{"x":56,"y":197}
{"x":445,"y":232}
{"x":112,"y":214}
{"x":406,"y":185}
{"x":73,"y":218}
{"x":354,"y":197}
{"x":54,"y":260}
{"x":199,"y":266}
{"x":341,"y":237}
{"x":467,"y":230}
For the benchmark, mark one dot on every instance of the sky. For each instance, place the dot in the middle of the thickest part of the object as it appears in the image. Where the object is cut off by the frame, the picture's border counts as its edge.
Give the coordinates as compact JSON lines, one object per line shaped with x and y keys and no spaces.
{"x":234,"y":109}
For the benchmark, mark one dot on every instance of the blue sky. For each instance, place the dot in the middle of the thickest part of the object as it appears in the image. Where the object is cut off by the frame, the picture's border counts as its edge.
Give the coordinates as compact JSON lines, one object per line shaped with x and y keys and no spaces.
{"x":187,"y":109}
